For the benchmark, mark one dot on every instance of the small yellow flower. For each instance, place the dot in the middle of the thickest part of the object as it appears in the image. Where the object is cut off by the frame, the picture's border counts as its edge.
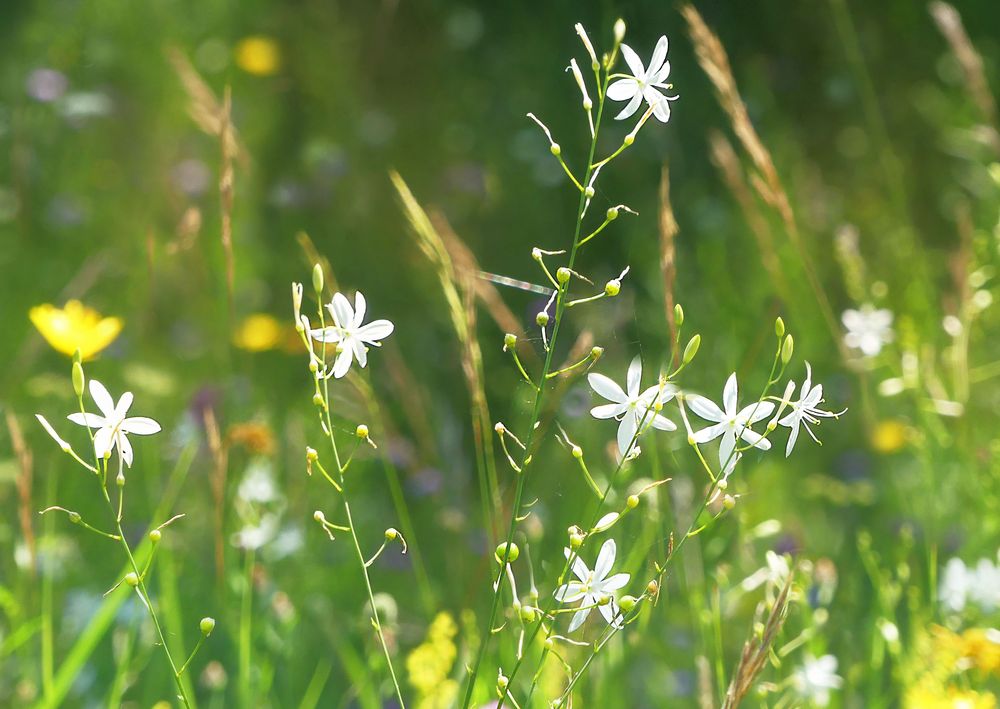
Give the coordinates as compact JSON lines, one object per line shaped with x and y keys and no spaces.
{"x":75,"y":327}
{"x":258,"y":55}
{"x":889,"y":436}
{"x":258,"y":333}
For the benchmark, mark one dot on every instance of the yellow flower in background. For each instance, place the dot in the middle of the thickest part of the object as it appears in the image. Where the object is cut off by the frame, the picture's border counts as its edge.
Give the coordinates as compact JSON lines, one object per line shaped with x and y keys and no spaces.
{"x":258,"y":333}
{"x":258,"y":55}
{"x":429,"y":665}
{"x":75,"y":327}
{"x":889,"y":436}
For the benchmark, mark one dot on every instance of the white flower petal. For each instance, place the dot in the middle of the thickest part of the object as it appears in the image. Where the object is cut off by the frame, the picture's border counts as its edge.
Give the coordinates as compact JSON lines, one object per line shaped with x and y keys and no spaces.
{"x":141,"y":425}
{"x":343,"y":362}
{"x":607,"y":411}
{"x":730,"y":395}
{"x":633,"y":61}
{"x":125,"y":449}
{"x":605,"y":560}
{"x":727,"y":447}
{"x":579,"y":567}
{"x":622,"y":89}
{"x":712,"y":432}
{"x":792,"y":436}
{"x":615,"y":582}
{"x":659,"y":56}
{"x":51,"y":431}
{"x":631,"y":107}
{"x":124,"y":404}
{"x":340,"y":308}
{"x":606,"y":388}
{"x":327,"y":334}
{"x":755,"y":412}
{"x":706,"y":408}
{"x":634,"y":376}
{"x":755,"y":439}
{"x":360,"y":306}
{"x":626,"y":435}
{"x":102,"y":398}
{"x":570,"y":592}
{"x":662,"y":423}
{"x":91,"y":420}
{"x":374,"y":331}
{"x":578,"y":618}
{"x":103,"y":442}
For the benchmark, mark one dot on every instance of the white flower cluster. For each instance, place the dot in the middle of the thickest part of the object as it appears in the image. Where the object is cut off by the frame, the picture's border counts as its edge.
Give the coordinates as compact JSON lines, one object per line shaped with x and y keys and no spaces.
{"x":962,"y":585}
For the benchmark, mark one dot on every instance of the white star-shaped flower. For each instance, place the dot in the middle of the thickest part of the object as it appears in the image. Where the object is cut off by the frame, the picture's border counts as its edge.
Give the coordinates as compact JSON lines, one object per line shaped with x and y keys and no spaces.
{"x":868,"y":329}
{"x":112,"y":426}
{"x":816,"y":678}
{"x":730,"y":423}
{"x":805,"y":411}
{"x":593,"y":587}
{"x":348,"y":333}
{"x":632,"y":408}
{"x":644,"y":83}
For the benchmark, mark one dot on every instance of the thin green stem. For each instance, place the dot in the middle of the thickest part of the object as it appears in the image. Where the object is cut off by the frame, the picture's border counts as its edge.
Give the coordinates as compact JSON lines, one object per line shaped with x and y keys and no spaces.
{"x":246,"y":627}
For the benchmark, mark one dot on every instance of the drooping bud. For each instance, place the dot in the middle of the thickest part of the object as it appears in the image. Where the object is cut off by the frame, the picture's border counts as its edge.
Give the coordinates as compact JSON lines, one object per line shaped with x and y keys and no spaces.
{"x":391,"y":534}
{"x":318,"y":278}
{"x":75,"y":517}
{"x":319,"y":516}
{"x":528,"y":614}
{"x":500,"y":428}
{"x":297,"y":301}
{"x":652,"y":588}
{"x":729,"y":502}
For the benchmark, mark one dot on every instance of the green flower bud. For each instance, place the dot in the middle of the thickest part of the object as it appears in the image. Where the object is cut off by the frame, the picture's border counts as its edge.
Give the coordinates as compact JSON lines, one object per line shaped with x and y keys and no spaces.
{"x":596,"y":352}
{"x":779,"y":327}
{"x":563,"y":274}
{"x":604,"y":600}
{"x":691,"y":349}
{"x":536,"y":253}
{"x":612,"y":214}
{"x":589,"y":192}
{"x":542,"y":319}
{"x":132,"y":579}
{"x":391,"y":534}
{"x":577,"y":452}
{"x":528,"y":614}
{"x":509,"y":340}
{"x":502,"y":682}
{"x":501,"y":552}
{"x":729,"y":502}
{"x":155,"y":535}
{"x":629,"y":139}
{"x":317,"y":399}
{"x":612,"y":288}
{"x":78,"y":378}
{"x":555,"y":149}
{"x":75,"y":518}
{"x":207,"y":625}
{"x":627,"y":603}
{"x":361,"y":431}
{"x":632,"y":501}
{"x":787,"y":347}
{"x":678,"y":315}
{"x":723,"y":484}
{"x":318,"y":278}
{"x":576,"y":541}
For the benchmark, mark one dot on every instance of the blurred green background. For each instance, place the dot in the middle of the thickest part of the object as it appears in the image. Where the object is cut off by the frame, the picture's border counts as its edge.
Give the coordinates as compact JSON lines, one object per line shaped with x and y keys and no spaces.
{"x":109,"y":192}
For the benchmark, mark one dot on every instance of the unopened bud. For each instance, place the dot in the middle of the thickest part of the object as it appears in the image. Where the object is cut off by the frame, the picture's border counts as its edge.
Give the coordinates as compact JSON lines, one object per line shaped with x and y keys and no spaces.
{"x":678,"y":315}
{"x":576,"y":541}
{"x":361,"y":431}
{"x":78,"y":378}
{"x":132,"y":579}
{"x":542,"y":319}
{"x":319,"y":516}
{"x":207,"y":625}
{"x":155,"y":535}
{"x":729,"y":502}
{"x":691,"y":349}
{"x":652,"y":588}
{"x":528,"y":614}
{"x":317,"y":400}
{"x":313,"y":366}
{"x":563,"y":274}
{"x":391,"y":534}
{"x":596,"y":352}
{"x":509,"y":341}
{"x":604,"y":599}
{"x":555,"y":149}
{"x":589,"y":192}
{"x":779,"y":327}
{"x":311,"y":455}
{"x":577,"y":452}
{"x":632,"y":501}
{"x":536,"y":253}
{"x":318,"y":278}
{"x":501,"y":553}
{"x":120,"y":480}
{"x":627,"y":603}
{"x":629,"y":139}
{"x":500,"y":428}
{"x":787,"y":347}
{"x":612,"y":288}
{"x":723,"y":484}
{"x":612,"y":214}
{"x":619,"y":30}
{"x":502,"y":682}
{"x":75,"y":518}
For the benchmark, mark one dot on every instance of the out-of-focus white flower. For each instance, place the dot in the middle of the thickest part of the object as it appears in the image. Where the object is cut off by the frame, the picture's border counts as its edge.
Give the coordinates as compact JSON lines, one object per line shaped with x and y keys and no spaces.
{"x":593,"y":587}
{"x":644,"y":83}
{"x":254,"y":536}
{"x":984,"y":587}
{"x":868,"y":329}
{"x":805,"y":411}
{"x":348,"y":333}
{"x":112,"y":426}
{"x":633,"y":408}
{"x":730,"y":423}
{"x":258,"y":484}
{"x":816,"y":677}
{"x":955,"y":584}
{"x":775,"y":572}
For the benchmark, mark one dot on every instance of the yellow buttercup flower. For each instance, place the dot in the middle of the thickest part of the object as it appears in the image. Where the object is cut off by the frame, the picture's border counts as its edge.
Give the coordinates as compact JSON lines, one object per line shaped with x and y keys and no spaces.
{"x":889,"y":436}
{"x":75,"y":327}
{"x":258,"y":333}
{"x":258,"y":55}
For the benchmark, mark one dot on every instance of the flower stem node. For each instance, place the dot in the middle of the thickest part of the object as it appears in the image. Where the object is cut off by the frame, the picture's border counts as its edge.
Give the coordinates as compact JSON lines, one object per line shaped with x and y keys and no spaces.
{"x":629,"y":139}
{"x":779,"y":327}
{"x":502,"y":553}
{"x":613,"y":288}
{"x":155,"y":535}
{"x":627,"y":603}
{"x":207,"y":625}
{"x":612,"y":214}
{"x":132,"y":579}
{"x":632,"y":501}
{"x":729,"y":502}
{"x":509,"y":341}
{"x":563,"y":274}
{"x":596,"y":352}
{"x":542,"y":319}
{"x":318,"y":278}
{"x":577,"y":452}
{"x":361,"y":431}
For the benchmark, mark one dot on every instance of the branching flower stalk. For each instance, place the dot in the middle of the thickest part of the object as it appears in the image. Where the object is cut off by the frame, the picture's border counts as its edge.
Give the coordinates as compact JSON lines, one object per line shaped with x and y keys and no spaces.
{"x":341,"y":334}
{"x":112,"y":429}
{"x":602,"y":75}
